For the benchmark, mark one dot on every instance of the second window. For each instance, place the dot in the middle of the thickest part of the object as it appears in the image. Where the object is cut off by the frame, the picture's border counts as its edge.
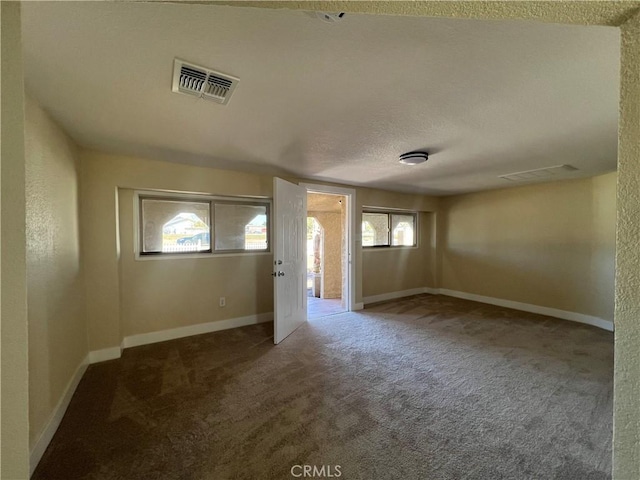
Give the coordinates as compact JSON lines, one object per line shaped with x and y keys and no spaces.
{"x":389,"y":229}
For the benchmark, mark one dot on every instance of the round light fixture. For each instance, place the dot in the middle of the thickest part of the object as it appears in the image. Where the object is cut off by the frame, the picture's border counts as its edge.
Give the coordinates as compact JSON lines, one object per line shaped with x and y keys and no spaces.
{"x":414,"y":158}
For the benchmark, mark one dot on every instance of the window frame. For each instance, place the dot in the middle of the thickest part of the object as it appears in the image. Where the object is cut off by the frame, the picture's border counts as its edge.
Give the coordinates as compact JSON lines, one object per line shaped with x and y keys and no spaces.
{"x":389,"y":212}
{"x":227,"y":201}
{"x":212,"y":200}
{"x":140,"y":222}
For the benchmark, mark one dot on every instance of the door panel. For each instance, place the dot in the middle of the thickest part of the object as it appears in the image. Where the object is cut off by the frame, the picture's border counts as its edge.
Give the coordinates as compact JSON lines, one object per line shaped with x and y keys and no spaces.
{"x":290,"y":299}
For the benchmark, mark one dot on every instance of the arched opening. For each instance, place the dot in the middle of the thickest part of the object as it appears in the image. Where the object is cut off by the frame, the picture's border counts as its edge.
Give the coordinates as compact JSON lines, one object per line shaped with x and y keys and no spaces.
{"x":186,"y":232}
{"x":255,"y":233}
{"x":314,"y":257}
{"x":368,"y":234}
{"x":403,"y":234}
{"x":326,"y":249}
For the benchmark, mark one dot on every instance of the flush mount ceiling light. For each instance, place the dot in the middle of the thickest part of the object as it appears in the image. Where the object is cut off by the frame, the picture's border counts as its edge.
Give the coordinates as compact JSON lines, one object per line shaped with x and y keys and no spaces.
{"x":414,"y":158}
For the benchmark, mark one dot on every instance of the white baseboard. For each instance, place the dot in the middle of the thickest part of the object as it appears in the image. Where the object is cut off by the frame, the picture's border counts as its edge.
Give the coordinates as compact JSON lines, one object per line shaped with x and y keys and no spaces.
{"x":527,"y":307}
{"x":358,"y":306}
{"x":115,"y":352}
{"x":172,"y":334}
{"x":56,"y":417}
{"x":105,"y":354}
{"x":393,"y":295}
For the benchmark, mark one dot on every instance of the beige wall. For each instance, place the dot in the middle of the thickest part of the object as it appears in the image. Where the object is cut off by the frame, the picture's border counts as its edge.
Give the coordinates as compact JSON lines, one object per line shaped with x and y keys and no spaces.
{"x":125,"y":296}
{"x":626,"y":390}
{"x":55,"y":289}
{"x":167,"y":298}
{"x":411,"y":268}
{"x":551,"y":245}
{"x":14,"y":393}
{"x":387,"y":270}
{"x":164,"y":293}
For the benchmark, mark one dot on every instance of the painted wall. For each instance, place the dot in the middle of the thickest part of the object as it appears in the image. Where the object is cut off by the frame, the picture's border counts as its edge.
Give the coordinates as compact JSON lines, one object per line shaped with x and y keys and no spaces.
{"x":394,"y":270}
{"x":125,"y":296}
{"x":55,"y":289}
{"x":14,"y":403}
{"x":165,"y":293}
{"x":626,"y":390}
{"x":387,"y":270}
{"x":551,"y":245}
{"x":112,"y":310}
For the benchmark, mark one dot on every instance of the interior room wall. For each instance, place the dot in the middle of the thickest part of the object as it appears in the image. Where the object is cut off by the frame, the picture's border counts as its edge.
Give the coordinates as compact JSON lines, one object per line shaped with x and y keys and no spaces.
{"x":166,"y":293}
{"x":126,"y":297}
{"x":55,"y":290}
{"x":157,"y":281}
{"x":626,"y":415}
{"x":404,"y":274}
{"x":389,"y":270}
{"x":550,"y":245}
{"x":14,"y":348}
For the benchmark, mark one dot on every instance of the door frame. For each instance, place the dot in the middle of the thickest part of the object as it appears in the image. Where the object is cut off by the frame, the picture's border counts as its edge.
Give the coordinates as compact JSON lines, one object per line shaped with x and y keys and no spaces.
{"x":350,"y":229}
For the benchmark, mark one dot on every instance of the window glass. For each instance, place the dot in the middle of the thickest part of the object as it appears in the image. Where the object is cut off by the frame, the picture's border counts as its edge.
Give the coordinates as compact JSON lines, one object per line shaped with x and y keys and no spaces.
{"x":375,"y":229}
{"x":175,"y":226}
{"x":403,"y":227}
{"x":181,"y":225}
{"x":240,"y":227}
{"x":387,"y":229}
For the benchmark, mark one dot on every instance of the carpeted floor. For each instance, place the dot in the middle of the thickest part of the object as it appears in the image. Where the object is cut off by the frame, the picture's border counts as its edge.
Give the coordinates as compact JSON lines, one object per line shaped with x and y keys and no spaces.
{"x":428,"y":387}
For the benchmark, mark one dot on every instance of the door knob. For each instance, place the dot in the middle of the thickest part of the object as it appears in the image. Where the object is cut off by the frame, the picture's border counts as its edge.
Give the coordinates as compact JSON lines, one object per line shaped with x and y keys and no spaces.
{"x":281,"y":274}
{"x":279,"y":262}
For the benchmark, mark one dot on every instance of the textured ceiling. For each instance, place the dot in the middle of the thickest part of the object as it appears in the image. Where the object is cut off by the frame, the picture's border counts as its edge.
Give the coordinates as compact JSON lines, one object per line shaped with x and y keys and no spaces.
{"x":336,"y":102}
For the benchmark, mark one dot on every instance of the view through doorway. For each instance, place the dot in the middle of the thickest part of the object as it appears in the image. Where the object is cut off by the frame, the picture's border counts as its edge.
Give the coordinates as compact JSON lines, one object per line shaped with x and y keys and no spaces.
{"x":327,"y":257}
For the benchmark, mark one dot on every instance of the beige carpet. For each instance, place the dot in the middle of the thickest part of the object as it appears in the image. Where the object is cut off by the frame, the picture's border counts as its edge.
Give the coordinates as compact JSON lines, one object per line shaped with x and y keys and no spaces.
{"x":422,"y":388}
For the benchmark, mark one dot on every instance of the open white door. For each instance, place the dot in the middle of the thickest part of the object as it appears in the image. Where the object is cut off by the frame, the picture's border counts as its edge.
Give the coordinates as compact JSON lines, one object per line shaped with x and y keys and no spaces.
{"x":289,"y":269}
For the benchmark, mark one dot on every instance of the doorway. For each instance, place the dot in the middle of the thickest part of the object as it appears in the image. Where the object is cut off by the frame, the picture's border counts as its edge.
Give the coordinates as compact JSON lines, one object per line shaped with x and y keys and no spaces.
{"x":329,"y":266}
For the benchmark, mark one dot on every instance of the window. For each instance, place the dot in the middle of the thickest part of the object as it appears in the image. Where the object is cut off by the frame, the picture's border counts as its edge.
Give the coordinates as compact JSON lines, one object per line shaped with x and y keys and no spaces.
{"x":186,"y":225}
{"x":388,"y":229}
{"x":240,"y":227}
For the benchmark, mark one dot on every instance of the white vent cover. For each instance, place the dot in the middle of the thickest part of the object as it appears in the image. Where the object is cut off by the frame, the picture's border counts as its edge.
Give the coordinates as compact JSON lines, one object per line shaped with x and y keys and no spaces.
{"x":202,"y":82}
{"x":539,"y":173}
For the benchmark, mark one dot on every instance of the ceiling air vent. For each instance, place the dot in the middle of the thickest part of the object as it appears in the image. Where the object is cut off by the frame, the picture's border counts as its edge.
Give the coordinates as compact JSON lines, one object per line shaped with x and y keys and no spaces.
{"x":202,"y":82}
{"x":538,"y":174}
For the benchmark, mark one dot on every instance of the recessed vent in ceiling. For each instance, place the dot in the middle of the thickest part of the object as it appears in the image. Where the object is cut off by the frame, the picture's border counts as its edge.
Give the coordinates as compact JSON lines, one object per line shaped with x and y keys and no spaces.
{"x":538,"y":173}
{"x":202,"y":82}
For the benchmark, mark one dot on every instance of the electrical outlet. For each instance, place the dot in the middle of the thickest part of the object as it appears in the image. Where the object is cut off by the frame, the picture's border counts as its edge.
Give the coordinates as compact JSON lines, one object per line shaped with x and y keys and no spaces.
{"x":223,"y":302}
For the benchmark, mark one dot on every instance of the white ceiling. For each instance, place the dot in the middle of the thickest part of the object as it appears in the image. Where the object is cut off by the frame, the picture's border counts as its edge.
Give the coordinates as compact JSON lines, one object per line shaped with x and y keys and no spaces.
{"x":335,"y":102}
